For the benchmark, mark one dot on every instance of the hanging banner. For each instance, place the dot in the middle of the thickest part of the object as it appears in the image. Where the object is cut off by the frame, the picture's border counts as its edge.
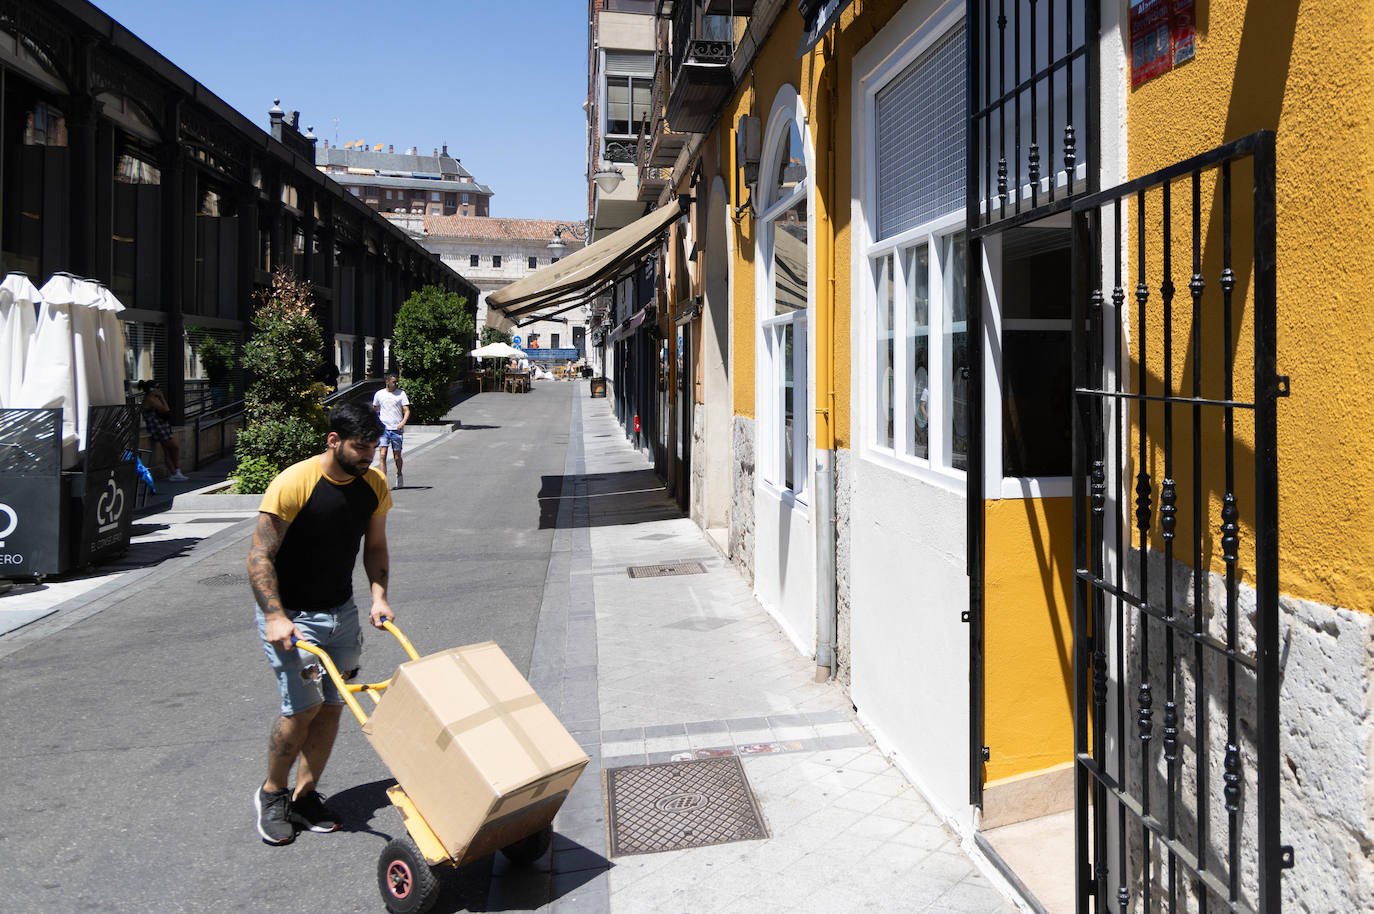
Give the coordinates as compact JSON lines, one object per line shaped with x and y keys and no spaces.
{"x":1163,"y":36}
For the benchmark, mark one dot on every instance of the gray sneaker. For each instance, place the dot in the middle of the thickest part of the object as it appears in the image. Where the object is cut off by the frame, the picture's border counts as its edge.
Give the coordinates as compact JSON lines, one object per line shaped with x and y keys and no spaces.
{"x":308,"y":811}
{"x":274,"y":811}
{"x":400,"y":481}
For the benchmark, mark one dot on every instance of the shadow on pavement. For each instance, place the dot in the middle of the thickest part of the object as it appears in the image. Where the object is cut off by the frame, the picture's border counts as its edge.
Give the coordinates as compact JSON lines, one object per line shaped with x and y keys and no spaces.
{"x":611,"y":499}
{"x":145,"y":529}
{"x":410,"y":488}
{"x":565,"y":869}
{"x":358,"y":806}
{"x":465,"y":427}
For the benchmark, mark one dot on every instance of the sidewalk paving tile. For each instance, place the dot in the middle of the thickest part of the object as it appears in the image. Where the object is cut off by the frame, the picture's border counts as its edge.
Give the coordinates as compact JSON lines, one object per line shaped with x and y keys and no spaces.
{"x":661,"y":669}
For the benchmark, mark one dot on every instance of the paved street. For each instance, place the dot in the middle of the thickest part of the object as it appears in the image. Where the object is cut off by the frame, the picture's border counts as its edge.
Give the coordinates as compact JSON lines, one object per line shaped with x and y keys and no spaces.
{"x":136,"y":721}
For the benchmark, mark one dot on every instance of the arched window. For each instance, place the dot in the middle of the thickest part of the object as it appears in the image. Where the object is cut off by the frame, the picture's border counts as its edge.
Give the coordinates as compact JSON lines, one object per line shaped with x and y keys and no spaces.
{"x":784,"y":300}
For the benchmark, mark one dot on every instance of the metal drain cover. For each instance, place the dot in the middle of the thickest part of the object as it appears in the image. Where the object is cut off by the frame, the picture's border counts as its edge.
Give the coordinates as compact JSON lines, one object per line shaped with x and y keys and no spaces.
{"x":225,"y":580}
{"x":653,"y":808}
{"x":666,"y":569}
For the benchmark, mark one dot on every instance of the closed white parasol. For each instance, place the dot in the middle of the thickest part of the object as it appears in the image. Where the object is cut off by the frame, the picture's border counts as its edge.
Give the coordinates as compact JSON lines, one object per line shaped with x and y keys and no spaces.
{"x":18,"y":300}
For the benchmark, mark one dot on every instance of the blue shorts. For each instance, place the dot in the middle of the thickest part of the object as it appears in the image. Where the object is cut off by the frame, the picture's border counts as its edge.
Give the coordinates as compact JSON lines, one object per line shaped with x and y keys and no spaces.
{"x":391,"y":437}
{"x":301,"y":678}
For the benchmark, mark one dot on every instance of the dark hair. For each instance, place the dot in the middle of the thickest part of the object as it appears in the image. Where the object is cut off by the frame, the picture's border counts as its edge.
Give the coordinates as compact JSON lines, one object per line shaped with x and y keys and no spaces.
{"x":391,"y":374}
{"x":355,"y":422}
{"x":149,"y":384}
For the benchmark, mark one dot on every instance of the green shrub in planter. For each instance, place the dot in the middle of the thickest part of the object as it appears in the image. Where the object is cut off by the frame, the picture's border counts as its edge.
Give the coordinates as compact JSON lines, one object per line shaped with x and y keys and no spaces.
{"x":285,"y":420}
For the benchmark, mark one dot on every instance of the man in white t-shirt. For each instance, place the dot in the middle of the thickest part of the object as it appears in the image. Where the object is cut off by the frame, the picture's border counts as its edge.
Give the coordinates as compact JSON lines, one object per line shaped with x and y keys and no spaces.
{"x":392,"y":406}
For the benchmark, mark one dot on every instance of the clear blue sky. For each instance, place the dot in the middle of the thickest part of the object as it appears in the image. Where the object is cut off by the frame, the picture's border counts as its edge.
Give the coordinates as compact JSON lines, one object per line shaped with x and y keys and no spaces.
{"x":502,"y":83}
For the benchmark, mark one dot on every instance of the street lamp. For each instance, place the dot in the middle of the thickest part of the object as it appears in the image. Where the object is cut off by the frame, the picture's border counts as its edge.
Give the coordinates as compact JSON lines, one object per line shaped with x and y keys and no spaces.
{"x":608,"y":178}
{"x":578,"y":230}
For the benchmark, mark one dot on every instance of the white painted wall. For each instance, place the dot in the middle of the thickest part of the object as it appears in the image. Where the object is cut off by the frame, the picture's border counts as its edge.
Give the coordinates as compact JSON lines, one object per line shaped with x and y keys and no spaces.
{"x":908,"y":648}
{"x":785,"y":565}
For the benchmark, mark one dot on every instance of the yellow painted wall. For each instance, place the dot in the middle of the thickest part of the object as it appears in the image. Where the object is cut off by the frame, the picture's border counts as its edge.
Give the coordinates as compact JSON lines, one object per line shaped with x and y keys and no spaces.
{"x":1303,"y":70}
{"x":1028,"y":635}
{"x":829,"y":123}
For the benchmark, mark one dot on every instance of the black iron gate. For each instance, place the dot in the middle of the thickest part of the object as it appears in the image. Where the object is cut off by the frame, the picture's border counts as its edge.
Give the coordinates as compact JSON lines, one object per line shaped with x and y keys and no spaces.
{"x":1176,"y":673}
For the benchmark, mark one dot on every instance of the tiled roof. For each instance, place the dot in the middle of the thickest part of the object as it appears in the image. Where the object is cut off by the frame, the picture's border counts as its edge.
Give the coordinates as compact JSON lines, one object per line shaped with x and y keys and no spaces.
{"x":497,"y":228}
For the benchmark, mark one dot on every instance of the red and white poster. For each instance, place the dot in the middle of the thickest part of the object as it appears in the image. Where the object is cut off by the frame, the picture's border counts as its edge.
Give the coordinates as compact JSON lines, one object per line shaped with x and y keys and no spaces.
{"x":1163,"y":36}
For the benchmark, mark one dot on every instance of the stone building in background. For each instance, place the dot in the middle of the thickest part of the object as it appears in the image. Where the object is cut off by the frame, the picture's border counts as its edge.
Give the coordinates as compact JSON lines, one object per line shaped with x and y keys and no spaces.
{"x":405,"y":182}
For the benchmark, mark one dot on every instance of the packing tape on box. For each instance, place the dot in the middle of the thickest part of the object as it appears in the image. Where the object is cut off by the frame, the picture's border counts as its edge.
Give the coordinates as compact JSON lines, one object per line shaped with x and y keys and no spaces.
{"x":495,"y":709}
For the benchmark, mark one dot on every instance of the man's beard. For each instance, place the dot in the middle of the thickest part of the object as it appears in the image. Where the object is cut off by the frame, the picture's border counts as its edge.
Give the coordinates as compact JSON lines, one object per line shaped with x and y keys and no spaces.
{"x":352,"y":468}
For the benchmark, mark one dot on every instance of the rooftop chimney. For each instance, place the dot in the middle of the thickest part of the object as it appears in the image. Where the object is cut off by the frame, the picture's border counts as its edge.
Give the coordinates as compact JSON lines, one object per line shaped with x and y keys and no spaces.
{"x":436,"y":153}
{"x":446,"y":149}
{"x":391,"y":148}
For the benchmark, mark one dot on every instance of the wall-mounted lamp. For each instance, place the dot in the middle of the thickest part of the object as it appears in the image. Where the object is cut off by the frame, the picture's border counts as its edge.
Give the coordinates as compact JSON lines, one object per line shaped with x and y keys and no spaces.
{"x":608,"y":178}
{"x":748,"y":150}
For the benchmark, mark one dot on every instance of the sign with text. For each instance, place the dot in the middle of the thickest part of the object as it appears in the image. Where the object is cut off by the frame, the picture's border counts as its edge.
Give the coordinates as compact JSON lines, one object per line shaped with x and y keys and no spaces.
{"x":31,"y":526}
{"x":107,"y":513}
{"x":1163,"y":36}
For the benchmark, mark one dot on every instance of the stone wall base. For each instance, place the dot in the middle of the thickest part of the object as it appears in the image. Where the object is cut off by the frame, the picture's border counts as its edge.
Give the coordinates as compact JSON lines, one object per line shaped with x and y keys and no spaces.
{"x":741,"y":520}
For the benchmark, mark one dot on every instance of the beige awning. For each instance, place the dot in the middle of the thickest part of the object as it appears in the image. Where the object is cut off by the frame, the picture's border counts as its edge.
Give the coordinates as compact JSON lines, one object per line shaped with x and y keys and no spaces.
{"x":588,"y":272}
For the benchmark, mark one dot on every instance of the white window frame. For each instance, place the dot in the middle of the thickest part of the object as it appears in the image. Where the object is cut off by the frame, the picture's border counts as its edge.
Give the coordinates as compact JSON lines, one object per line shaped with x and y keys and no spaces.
{"x":786,"y":111}
{"x":936,"y":468}
{"x":995,"y":484}
{"x":934,"y":235}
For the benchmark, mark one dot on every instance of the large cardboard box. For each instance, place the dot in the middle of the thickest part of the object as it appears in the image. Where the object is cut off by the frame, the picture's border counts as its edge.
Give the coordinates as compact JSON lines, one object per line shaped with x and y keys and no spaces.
{"x":482,"y":757}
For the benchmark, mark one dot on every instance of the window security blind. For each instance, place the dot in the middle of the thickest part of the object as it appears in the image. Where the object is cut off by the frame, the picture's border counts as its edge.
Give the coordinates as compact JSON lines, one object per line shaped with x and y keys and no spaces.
{"x":628,"y":63}
{"x":920,"y":129}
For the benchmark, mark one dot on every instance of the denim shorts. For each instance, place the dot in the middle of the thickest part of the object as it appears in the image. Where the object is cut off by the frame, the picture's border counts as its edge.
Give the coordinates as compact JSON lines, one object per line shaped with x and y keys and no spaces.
{"x":301,"y":677}
{"x":391,"y":437}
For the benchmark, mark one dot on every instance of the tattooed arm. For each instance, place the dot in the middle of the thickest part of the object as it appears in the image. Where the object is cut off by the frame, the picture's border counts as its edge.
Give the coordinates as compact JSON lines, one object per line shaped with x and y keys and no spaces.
{"x":377,"y":564}
{"x":262,"y":574}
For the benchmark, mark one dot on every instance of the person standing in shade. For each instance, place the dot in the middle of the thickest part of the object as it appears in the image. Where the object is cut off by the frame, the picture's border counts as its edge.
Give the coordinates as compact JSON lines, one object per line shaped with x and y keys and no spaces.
{"x":157,"y":417}
{"x":393,"y":406}
{"x":311,"y":521}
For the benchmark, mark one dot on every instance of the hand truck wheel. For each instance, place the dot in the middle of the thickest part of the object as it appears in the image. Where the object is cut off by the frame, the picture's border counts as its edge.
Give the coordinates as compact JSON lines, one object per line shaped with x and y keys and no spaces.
{"x":407,"y":883}
{"x":527,"y":850}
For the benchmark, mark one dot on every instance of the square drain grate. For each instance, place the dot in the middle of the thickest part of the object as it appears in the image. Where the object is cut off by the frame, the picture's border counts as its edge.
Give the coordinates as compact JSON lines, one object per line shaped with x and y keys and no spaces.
{"x":666,"y":569}
{"x":653,"y":808}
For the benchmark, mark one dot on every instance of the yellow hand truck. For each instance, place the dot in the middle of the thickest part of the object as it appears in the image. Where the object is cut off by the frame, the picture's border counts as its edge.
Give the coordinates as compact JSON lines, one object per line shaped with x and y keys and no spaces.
{"x":409,"y":866}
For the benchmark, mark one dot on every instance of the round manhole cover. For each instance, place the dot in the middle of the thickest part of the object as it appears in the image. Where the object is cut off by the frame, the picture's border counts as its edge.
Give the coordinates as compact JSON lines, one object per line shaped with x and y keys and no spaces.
{"x":681,"y":802}
{"x":224,"y":580}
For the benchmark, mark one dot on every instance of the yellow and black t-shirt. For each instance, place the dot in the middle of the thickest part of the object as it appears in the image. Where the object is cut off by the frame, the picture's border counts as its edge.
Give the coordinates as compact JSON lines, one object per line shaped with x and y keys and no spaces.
{"x":327,"y":521}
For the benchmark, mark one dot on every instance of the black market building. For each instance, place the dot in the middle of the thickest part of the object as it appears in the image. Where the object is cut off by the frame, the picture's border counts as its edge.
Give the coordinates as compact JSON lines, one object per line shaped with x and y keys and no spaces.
{"x":118,"y":166}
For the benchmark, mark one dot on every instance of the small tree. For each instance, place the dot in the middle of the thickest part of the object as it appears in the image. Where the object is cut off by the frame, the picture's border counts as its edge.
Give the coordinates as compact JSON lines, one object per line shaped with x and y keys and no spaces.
{"x":430,"y":339}
{"x":285,"y":418}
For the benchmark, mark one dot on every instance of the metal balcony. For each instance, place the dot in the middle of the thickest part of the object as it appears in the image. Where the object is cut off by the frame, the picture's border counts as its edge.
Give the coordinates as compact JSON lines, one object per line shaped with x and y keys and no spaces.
{"x":699,"y":66}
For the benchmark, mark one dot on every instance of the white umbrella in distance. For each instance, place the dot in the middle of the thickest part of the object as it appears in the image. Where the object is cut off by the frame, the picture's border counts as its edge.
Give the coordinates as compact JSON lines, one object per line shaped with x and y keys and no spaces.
{"x":498,"y":351}
{"x":18,"y":296}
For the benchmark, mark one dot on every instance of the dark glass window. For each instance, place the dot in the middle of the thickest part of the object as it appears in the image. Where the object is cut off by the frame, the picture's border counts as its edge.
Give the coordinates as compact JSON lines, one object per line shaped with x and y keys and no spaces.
{"x":474,"y":259}
{"x":1036,"y":433}
{"x":496,"y":260}
{"x":216,"y":254}
{"x":627,"y":103}
{"x":534,"y":263}
{"x":136,"y":228}
{"x":36,"y":202}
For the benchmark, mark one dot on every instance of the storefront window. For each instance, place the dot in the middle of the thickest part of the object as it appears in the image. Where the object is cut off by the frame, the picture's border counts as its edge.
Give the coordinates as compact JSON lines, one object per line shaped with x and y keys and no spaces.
{"x":136,"y":228}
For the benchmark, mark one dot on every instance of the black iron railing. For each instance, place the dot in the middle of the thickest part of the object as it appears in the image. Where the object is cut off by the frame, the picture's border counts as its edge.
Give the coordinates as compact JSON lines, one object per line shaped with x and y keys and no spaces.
{"x":218,"y":421}
{"x":1032,"y":106}
{"x":1176,"y":674}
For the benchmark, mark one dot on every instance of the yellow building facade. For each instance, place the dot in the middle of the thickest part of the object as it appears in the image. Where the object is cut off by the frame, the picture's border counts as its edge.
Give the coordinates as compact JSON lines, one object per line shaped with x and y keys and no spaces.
{"x":913,"y":535}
